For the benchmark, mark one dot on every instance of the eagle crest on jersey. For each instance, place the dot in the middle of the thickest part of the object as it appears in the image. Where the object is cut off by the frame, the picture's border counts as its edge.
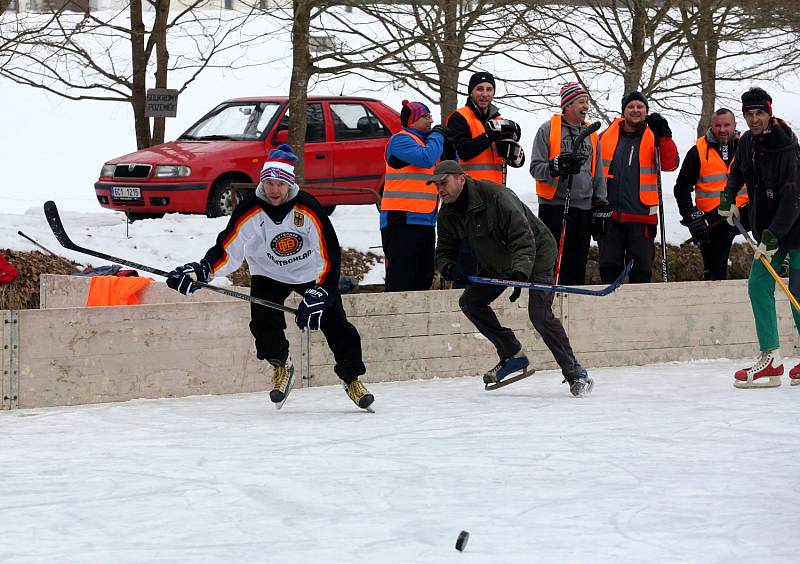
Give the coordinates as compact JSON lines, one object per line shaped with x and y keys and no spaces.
{"x":286,"y":243}
{"x":299,"y":219}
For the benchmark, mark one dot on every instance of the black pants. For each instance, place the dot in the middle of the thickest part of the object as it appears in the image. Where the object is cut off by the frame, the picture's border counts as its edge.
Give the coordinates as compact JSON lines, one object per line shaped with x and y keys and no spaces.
{"x":576,"y":240}
{"x":267,"y":326}
{"x":624,"y":242}
{"x":475,"y":303}
{"x":409,"y":251}
{"x":717,"y":251}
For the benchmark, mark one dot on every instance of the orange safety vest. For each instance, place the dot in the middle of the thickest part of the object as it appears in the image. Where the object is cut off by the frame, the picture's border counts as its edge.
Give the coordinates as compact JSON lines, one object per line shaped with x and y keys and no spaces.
{"x":115,"y":290}
{"x":547,"y":188}
{"x":712,"y":179}
{"x":404,"y":188}
{"x":488,"y":165}
{"x":648,"y":179}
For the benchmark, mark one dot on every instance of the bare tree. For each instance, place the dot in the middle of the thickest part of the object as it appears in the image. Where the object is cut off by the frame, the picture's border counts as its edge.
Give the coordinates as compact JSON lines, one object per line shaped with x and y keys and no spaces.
{"x":83,"y":56}
{"x":442,"y":40}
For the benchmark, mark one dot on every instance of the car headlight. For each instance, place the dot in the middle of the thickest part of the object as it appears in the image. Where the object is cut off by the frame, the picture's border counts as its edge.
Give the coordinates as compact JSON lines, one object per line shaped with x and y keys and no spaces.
{"x":108,"y":170}
{"x":172,"y":171}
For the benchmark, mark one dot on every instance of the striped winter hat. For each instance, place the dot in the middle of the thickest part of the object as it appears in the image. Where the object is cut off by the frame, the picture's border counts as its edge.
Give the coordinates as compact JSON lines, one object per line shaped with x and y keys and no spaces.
{"x":571,"y":92}
{"x":280,"y":165}
{"x":412,"y":111}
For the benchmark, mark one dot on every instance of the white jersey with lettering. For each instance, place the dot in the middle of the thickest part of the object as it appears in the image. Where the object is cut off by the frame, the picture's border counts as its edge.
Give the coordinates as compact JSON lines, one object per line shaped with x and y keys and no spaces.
{"x":293,"y":243}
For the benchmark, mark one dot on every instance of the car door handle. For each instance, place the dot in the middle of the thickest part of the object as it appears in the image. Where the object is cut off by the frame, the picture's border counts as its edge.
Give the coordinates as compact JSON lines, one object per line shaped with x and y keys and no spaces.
{"x":320,"y":156}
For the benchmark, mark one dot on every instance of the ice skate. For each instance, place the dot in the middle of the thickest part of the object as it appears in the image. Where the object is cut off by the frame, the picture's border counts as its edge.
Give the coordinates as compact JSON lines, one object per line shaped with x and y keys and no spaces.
{"x":282,"y":382}
{"x":580,"y":385}
{"x":497,"y":376}
{"x":794,"y":376}
{"x":765,"y":373}
{"x":357,"y":392}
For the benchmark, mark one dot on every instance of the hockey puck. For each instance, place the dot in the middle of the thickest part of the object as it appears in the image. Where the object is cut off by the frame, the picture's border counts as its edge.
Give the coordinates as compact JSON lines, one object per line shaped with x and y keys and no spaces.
{"x":461,"y":542}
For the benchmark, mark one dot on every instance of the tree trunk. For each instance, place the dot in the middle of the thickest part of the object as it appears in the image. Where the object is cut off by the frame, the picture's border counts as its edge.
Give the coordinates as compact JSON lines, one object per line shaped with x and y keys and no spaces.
{"x":162,"y":63}
{"x":632,"y":77}
{"x":298,"y":87}
{"x":139,"y":78}
{"x":451,"y":56}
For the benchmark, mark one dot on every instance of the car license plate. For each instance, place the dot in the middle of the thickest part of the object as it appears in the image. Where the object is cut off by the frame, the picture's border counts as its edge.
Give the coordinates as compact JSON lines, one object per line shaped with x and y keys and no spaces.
{"x":126,"y":192}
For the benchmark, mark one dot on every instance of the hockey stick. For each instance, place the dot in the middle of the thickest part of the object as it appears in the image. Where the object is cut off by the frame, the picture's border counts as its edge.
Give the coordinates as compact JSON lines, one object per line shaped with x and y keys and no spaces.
{"x":766,"y":263}
{"x":555,"y":287}
{"x":576,"y":148}
{"x":662,"y":227}
{"x":51,"y":213}
{"x":711,"y":227}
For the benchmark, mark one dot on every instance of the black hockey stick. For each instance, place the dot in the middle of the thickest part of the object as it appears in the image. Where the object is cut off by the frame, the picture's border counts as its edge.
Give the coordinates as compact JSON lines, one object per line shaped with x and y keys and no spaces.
{"x":555,"y":287}
{"x":661,"y":226}
{"x":51,"y":213}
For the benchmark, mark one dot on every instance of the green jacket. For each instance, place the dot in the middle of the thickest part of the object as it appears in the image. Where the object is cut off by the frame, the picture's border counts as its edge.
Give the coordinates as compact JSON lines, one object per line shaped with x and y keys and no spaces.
{"x":502,"y":232}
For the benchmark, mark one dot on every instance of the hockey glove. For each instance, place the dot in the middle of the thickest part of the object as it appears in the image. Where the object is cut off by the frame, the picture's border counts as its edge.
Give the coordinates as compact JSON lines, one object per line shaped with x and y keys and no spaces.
{"x":517,"y":276}
{"x":695,"y":220}
{"x":768,"y":245}
{"x":184,"y":277}
{"x":503,"y":129}
{"x":512,"y":152}
{"x":440,"y":129}
{"x":727,"y":209}
{"x":601,"y":215}
{"x":453,"y":272}
{"x":309,"y":313}
{"x":566,"y":164}
{"x":658,"y":125}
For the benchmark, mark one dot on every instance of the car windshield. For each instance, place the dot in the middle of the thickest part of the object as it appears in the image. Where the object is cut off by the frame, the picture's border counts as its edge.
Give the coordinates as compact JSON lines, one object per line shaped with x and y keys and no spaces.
{"x":239,"y":121}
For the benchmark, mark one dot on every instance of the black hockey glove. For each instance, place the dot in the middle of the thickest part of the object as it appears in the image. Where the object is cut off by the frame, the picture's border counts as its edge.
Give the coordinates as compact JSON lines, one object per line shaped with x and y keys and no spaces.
{"x":512,"y":152}
{"x":517,"y":276}
{"x":309,"y":313}
{"x":658,"y":125}
{"x":601,"y":215}
{"x":453,"y":272}
{"x":183,"y":278}
{"x":503,"y":129}
{"x":566,"y":164}
{"x":695,"y":220}
{"x":440,"y":129}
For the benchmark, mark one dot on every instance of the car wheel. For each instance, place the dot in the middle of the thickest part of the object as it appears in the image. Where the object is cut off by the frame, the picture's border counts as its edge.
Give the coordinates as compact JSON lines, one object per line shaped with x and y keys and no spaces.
{"x":219,"y":199}
{"x":135,"y":216}
{"x":328,"y":209}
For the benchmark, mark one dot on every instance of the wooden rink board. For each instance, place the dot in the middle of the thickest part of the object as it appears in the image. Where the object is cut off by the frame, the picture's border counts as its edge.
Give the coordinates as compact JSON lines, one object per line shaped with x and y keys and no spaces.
{"x":68,"y":354}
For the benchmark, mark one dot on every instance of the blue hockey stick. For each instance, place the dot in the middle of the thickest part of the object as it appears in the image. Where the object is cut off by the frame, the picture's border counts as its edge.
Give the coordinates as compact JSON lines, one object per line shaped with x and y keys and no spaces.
{"x":555,"y":287}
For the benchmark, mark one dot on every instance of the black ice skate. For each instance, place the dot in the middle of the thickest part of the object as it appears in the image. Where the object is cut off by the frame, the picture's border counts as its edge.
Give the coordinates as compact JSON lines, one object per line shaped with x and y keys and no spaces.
{"x":580,"y":385}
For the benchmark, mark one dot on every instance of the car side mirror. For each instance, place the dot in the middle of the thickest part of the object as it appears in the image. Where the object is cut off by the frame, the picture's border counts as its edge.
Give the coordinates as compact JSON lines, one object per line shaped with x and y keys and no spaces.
{"x":281,"y":137}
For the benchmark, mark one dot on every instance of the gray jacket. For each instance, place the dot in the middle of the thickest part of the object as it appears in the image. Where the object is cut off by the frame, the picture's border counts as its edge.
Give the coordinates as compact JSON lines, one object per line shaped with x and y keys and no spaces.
{"x":586,"y":189}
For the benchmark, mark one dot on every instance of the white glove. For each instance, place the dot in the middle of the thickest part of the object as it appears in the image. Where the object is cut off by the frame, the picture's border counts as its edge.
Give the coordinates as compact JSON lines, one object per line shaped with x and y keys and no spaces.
{"x":729,"y":214}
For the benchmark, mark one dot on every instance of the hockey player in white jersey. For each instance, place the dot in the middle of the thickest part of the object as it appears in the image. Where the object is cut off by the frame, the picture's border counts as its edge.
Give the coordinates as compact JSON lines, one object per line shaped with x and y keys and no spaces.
{"x":290,"y":246}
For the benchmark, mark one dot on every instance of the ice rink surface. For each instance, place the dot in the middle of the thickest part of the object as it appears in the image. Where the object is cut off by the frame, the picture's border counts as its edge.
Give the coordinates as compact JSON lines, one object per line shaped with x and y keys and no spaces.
{"x":663,"y":463}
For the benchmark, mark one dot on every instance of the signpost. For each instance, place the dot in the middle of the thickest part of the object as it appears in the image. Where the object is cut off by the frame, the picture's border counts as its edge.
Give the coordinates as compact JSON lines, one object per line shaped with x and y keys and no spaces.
{"x":161,"y":102}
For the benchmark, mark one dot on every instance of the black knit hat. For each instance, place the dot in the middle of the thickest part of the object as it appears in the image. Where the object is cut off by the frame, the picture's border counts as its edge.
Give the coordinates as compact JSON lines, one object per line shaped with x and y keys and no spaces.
{"x":756,"y":99}
{"x":635,"y":95}
{"x":479,"y":77}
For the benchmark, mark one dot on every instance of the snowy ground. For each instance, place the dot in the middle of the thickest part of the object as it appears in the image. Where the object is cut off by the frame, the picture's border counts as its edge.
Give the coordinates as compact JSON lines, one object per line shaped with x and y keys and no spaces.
{"x":664,"y":463}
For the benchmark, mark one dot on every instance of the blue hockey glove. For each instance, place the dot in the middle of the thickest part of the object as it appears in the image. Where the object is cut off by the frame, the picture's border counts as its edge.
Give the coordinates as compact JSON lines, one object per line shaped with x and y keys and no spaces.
{"x":184,"y":277}
{"x":309,"y":313}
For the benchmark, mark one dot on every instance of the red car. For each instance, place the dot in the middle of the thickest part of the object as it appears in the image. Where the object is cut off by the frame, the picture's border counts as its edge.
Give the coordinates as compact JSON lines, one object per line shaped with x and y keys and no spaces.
{"x":344,"y":163}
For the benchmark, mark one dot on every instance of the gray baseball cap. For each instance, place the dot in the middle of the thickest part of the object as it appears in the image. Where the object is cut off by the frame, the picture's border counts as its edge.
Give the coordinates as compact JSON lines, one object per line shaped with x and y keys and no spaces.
{"x":443,"y":169}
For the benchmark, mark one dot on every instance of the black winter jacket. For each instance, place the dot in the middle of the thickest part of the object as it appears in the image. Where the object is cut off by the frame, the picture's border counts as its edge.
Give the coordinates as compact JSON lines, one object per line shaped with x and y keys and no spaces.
{"x":770,"y":165}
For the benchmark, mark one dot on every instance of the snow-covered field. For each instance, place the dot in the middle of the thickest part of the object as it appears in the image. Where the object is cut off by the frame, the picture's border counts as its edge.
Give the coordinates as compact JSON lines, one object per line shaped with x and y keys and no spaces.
{"x":663,"y":463}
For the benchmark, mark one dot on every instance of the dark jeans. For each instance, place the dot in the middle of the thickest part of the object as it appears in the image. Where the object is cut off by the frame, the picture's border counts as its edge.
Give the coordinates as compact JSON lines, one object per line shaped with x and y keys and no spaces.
{"x":267,"y":326}
{"x":475,"y":303}
{"x":624,"y":242}
{"x":576,"y":240}
{"x":409,"y":251}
